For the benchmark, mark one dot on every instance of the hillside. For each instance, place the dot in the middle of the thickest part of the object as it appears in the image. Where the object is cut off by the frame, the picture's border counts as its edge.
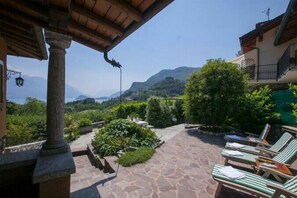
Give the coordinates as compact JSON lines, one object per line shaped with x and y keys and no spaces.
{"x":165,"y":83}
{"x":180,"y":73}
{"x":35,"y":87}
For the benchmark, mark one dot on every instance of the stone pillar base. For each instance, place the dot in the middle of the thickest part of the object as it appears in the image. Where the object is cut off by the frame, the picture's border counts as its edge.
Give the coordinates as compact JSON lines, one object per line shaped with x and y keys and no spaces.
{"x":49,"y":150}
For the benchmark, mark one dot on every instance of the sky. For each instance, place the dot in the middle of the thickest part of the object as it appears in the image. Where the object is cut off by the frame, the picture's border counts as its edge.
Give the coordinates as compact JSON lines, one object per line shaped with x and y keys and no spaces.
{"x":185,"y":33}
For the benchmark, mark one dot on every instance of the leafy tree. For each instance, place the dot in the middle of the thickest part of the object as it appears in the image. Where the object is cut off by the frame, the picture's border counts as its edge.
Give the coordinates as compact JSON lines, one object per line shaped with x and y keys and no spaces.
{"x":33,"y":106}
{"x":294,"y":105}
{"x":158,"y":115}
{"x":12,"y":108}
{"x":213,"y":94}
{"x":178,"y":111}
{"x":256,"y":109}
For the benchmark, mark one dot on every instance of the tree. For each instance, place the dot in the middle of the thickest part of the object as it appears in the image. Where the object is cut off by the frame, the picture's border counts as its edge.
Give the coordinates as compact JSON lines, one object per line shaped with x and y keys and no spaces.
{"x":33,"y":106}
{"x":213,"y":94}
{"x":158,"y":115}
{"x":256,"y":109}
{"x":293,"y":88}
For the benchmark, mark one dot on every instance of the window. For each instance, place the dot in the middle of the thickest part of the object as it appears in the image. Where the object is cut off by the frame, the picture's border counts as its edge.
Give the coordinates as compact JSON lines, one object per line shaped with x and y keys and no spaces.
{"x":1,"y":83}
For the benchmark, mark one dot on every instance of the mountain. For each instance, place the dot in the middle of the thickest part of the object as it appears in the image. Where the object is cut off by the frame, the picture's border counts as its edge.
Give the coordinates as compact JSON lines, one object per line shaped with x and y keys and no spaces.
{"x":35,"y":87}
{"x":81,"y":97}
{"x":180,"y":73}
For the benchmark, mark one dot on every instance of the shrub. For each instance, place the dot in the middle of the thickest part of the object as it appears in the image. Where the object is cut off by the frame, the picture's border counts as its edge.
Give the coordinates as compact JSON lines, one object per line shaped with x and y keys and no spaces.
{"x":71,"y":131}
{"x":120,"y":134}
{"x":294,"y":105}
{"x":256,"y":110}
{"x":178,"y":111}
{"x":214,"y":93}
{"x":140,"y":155}
{"x":158,"y":115}
{"x":25,"y":129}
{"x":84,"y":122}
{"x":133,"y":108}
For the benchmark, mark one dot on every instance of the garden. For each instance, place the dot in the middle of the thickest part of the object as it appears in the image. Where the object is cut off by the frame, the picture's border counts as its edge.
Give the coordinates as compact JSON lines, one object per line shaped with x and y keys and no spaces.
{"x":215,"y":97}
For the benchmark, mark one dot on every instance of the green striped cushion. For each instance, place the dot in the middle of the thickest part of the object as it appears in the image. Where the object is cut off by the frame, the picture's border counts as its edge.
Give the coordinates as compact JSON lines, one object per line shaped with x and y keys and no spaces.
{"x":245,"y":158}
{"x":286,"y":137}
{"x":250,"y":180}
{"x":288,"y":153}
{"x":291,"y":184}
{"x":246,"y":148}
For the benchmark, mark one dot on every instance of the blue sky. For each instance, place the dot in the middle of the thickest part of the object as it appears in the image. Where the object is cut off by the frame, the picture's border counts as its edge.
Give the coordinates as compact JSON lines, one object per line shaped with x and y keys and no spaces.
{"x":186,"y":33}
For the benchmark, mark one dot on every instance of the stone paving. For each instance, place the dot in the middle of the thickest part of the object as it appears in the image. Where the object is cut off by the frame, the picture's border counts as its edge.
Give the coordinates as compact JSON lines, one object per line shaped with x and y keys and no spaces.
{"x":180,"y":168}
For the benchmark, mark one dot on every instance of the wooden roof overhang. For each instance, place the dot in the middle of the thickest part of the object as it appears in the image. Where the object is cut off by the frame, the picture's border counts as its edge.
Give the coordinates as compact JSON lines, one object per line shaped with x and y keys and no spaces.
{"x":249,"y":40}
{"x":288,"y":27}
{"x":98,"y":24}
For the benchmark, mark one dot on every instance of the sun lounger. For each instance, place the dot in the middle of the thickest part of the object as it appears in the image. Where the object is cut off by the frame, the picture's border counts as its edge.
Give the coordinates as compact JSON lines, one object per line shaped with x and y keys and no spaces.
{"x":255,"y":184}
{"x":251,"y":138}
{"x":262,"y":150}
{"x":287,"y":155}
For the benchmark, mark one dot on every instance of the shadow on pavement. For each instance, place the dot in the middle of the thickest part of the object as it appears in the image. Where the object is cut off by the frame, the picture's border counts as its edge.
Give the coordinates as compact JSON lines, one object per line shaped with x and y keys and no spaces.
{"x":91,"y":191}
{"x":210,"y":139}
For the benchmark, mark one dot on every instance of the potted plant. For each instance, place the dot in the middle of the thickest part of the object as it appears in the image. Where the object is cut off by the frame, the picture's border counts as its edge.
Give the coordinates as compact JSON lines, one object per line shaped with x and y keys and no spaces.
{"x":85,"y":125}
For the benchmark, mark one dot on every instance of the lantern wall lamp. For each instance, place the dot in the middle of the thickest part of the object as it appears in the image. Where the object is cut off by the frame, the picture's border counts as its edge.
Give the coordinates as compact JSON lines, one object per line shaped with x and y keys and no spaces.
{"x":19,"y":80}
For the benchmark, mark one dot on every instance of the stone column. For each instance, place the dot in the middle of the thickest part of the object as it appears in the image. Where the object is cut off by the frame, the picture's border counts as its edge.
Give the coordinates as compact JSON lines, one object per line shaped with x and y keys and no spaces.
{"x":55,"y":142}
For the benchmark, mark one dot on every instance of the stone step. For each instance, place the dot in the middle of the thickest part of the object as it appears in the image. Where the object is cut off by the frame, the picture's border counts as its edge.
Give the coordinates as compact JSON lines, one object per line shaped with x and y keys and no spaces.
{"x":110,"y":166}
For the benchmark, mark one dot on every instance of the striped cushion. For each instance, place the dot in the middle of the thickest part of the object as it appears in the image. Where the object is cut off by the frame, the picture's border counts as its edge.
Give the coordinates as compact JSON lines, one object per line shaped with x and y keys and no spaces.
{"x":291,"y":184}
{"x":286,"y":137}
{"x":250,"y":180}
{"x":245,"y":158}
{"x":288,"y":154}
{"x":246,"y":148}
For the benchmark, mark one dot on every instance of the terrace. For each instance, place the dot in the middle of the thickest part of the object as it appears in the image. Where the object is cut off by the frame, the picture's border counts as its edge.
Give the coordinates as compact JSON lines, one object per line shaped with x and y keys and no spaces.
{"x":180,"y":168}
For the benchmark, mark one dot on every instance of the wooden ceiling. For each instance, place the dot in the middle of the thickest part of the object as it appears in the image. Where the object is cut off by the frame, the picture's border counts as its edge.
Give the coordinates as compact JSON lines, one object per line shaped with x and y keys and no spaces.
{"x":98,"y":24}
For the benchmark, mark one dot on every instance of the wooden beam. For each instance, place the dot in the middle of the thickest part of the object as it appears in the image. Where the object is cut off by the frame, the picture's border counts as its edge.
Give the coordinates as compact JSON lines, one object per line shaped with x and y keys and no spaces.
{"x":18,"y":40}
{"x":13,"y":51}
{"x":23,"y":49}
{"x":148,"y":14}
{"x":22,"y":53}
{"x":13,"y":23}
{"x":127,"y":8}
{"x":97,"y":19}
{"x":17,"y":35}
{"x":40,"y":42}
{"x":23,"y":18}
{"x":87,"y":43}
{"x":27,"y":7}
{"x":14,"y":31}
{"x":82,"y":29}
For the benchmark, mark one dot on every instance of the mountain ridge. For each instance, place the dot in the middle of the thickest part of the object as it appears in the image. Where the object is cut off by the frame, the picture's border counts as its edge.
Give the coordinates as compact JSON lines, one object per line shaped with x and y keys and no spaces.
{"x":179,"y":73}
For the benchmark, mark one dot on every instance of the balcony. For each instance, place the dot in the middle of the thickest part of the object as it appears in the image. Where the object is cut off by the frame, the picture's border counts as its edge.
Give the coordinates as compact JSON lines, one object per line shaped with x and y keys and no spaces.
{"x":287,"y":65}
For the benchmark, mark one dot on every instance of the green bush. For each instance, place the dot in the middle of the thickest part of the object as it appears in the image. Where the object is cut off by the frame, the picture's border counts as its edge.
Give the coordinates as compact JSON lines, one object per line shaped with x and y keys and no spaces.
{"x":178,"y":111}
{"x":120,"y":134}
{"x":84,"y":122}
{"x":158,"y":115}
{"x":213,"y":94}
{"x":71,"y":131}
{"x":25,"y":129}
{"x":256,"y":110}
{"x":138,"y":109}
{"x":140,"y":155}
{"x":294,"y":105}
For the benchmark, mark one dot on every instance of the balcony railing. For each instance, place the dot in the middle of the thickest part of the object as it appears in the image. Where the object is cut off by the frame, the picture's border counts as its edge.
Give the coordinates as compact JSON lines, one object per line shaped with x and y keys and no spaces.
{"x":267,"y":72}
{"x":286,"y":61}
